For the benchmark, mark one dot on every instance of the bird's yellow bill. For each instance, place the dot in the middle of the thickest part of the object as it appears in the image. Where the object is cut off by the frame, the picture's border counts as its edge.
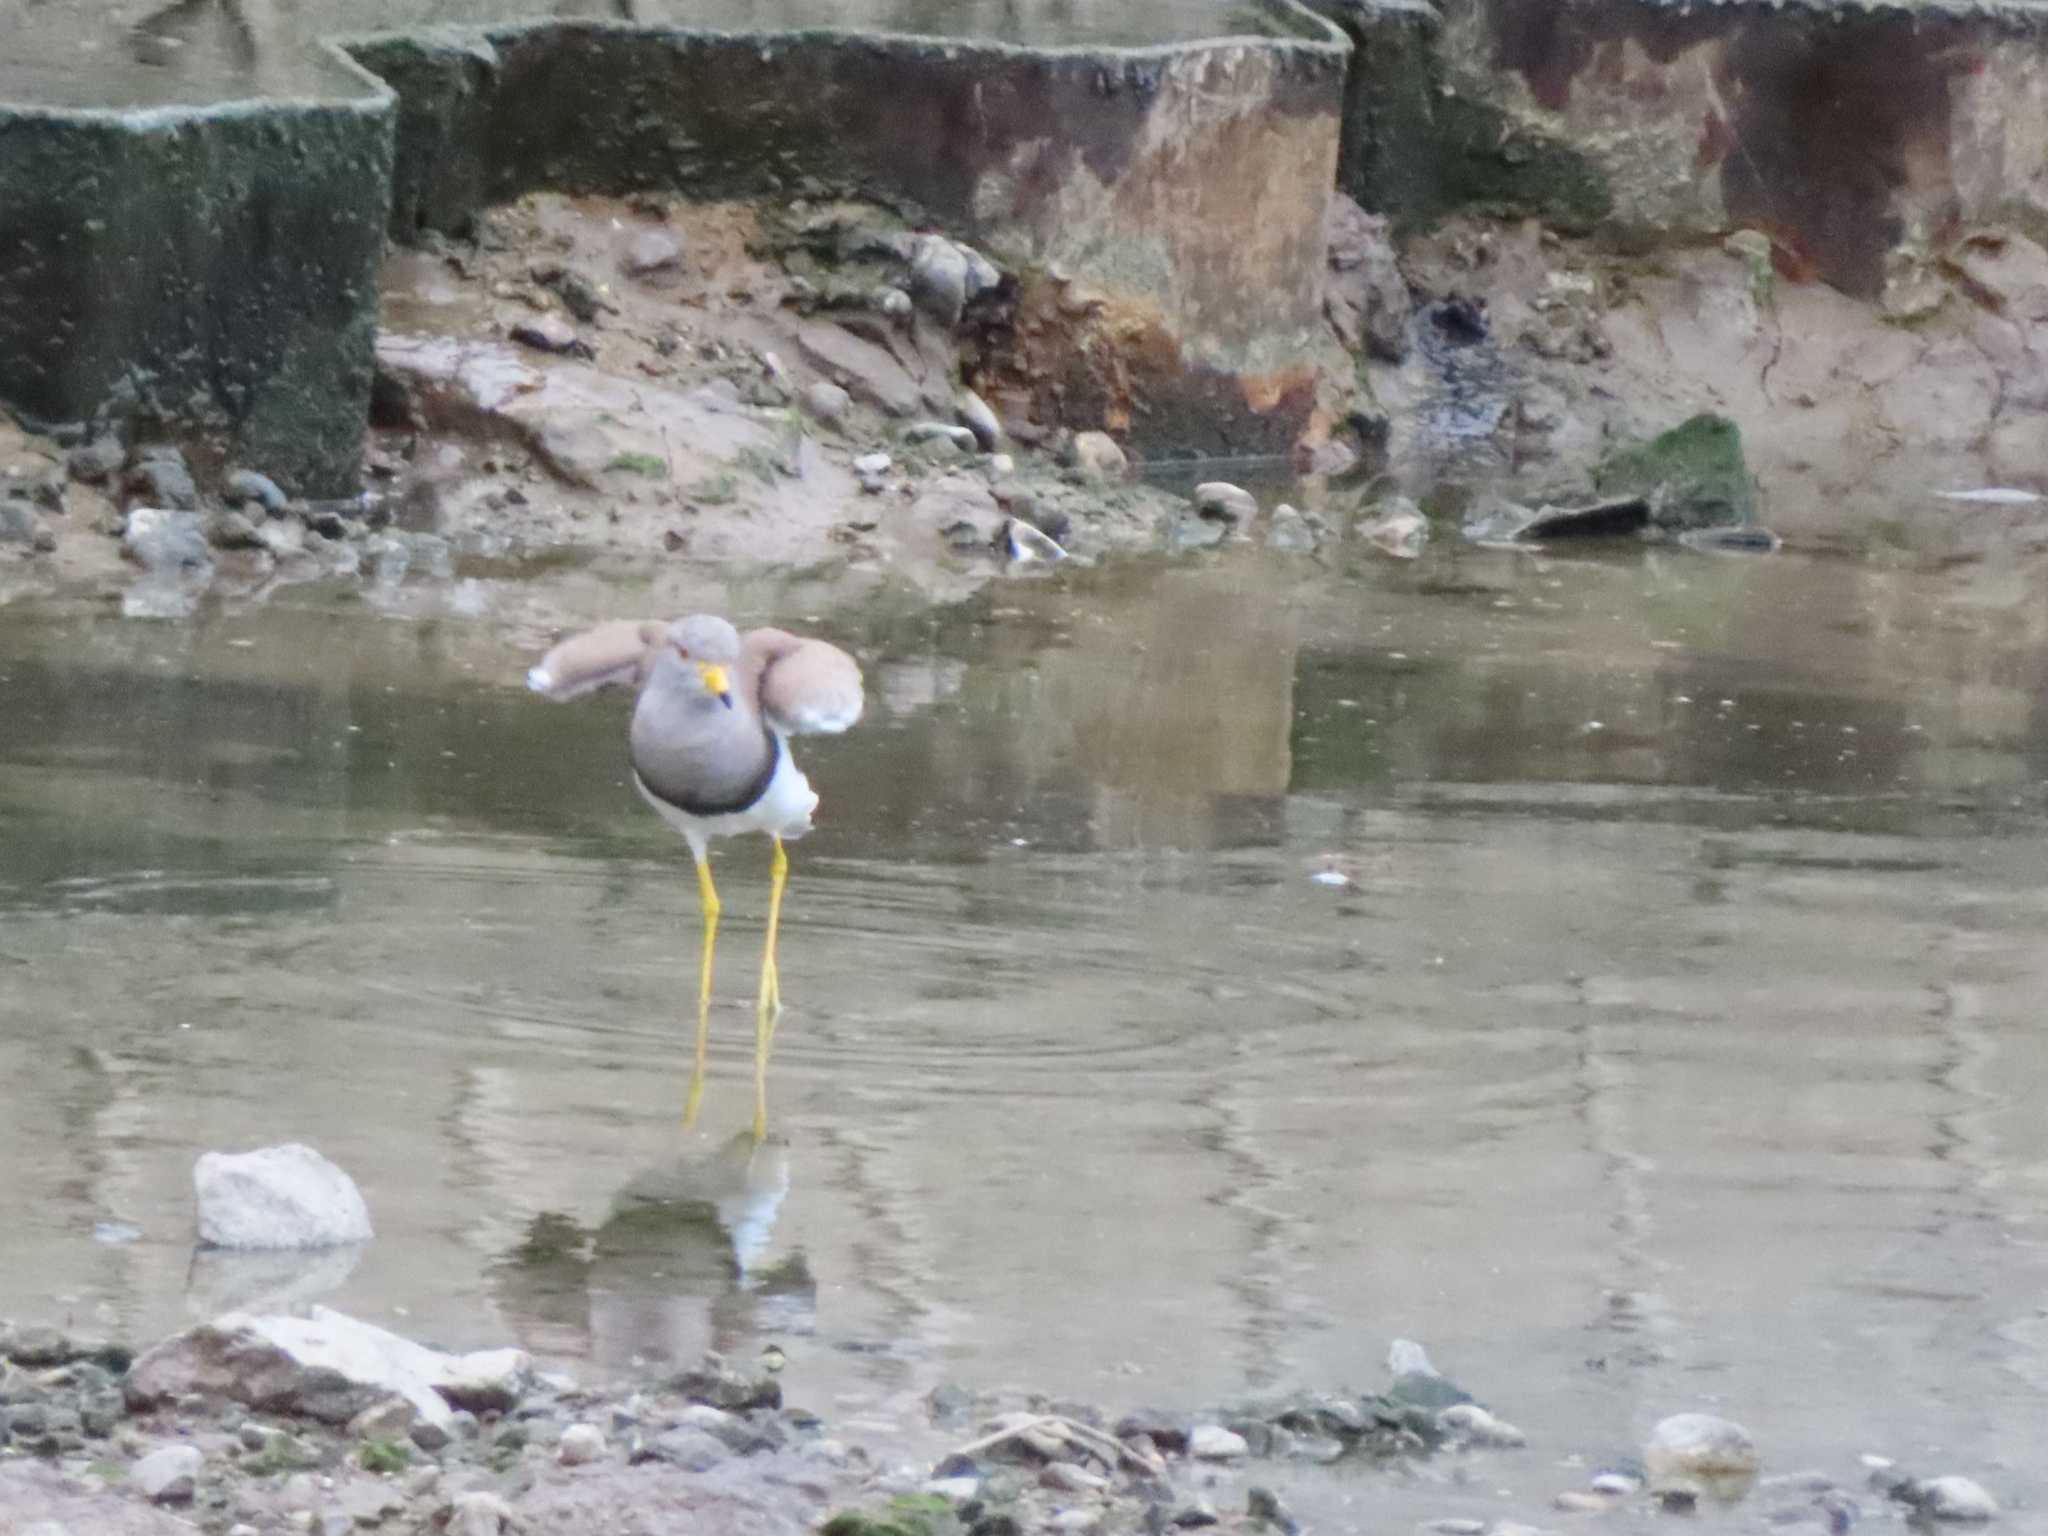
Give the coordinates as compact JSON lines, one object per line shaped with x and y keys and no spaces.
{"x":715,"y":681}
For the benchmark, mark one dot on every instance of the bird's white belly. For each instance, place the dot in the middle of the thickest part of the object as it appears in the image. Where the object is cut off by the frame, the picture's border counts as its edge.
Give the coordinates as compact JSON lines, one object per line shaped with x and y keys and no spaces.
{"x":784,"y":809}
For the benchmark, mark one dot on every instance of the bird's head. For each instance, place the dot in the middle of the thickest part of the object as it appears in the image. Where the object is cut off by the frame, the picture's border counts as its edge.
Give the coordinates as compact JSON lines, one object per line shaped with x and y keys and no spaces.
{"x":705,"y":647}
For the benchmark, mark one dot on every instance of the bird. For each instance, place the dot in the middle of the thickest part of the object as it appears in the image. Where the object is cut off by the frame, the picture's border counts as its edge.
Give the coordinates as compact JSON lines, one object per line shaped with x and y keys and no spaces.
{"x":709,"y":748}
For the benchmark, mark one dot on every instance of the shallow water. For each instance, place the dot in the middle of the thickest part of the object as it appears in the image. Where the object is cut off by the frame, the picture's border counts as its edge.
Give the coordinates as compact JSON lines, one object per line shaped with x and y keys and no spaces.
{"x":1672,"y":1042}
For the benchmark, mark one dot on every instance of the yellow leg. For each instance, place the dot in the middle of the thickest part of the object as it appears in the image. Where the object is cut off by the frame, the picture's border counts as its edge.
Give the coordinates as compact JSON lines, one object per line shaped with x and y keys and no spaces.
{"x":707,"y":899}
{"x":770,"y":1007}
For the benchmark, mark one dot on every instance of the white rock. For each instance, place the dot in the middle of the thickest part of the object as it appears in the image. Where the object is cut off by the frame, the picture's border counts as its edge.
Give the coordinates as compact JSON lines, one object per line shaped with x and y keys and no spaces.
{"x":1581,"y":1503}
{"x":581,"y":1444}
{"x":277,"y":1197}
{"x":1098,"y":457}
{"x":327,"y":1366}
{"x":1074,"y":1521}
{"x":1398,"y":528}
{"x":954,"y":1490}
{"x":1616,"y":1484}
{"x":1471,"y":1422}
{"x":479,"y":1514}
{"x":1955,"y":1498}
{"x":1222,"y":502}
{"x":1406,"y":1357}
{"x":1694,"y":1448}
{"x":1212,"y":1442}
{"x":1289,"y":531}
{"x":169,"y":1475}
{"x":1068,"y":1478}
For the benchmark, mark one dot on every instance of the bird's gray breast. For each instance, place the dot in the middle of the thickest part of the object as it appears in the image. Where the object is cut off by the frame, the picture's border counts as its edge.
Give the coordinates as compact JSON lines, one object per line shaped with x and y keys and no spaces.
{"x":700,"y":756}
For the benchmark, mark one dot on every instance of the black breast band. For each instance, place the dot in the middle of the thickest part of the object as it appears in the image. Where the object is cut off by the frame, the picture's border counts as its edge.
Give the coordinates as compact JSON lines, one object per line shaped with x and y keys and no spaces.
{"x":749,"y":795}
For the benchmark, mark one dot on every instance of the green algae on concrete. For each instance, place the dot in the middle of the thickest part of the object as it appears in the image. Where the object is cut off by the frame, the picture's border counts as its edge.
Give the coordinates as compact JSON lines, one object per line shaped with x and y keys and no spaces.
{"x":1694,"y":476}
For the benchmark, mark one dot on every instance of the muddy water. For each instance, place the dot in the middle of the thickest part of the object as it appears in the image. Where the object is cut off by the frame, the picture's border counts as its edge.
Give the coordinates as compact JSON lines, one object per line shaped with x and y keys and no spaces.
{"x":1671,"y":1039}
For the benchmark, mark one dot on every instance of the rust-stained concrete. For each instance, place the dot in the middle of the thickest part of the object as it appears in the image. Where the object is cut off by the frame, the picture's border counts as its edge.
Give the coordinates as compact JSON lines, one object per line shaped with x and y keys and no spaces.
{"x":1857,"y":137}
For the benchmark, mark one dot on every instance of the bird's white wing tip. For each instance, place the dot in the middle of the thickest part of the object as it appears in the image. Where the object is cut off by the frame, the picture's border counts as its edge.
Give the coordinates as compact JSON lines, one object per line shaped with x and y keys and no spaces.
{"x":540,"y":680}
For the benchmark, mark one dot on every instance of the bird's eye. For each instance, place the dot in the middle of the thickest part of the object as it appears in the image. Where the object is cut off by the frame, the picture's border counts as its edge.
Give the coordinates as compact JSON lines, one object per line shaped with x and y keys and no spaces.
{"x":682,"y":650}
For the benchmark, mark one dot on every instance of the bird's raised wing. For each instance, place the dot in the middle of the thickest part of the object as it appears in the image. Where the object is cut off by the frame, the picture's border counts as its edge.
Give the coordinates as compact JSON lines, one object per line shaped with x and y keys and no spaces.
{"x":616,"y":652}
{"x":807,"y":686}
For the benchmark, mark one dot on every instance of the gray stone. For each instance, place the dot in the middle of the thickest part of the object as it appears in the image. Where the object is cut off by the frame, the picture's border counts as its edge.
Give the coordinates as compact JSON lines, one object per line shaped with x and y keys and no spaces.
{"x":370,"y":1504}
{"x":653,"y":252}
{"x":939,"y":279}
{"x":873,"y":464}
{"x":1474,"y":1425}
{"x":169,"y":1475}
{"x":1066,"y":1477}
{"x":92,"y":463}
{"x":166,"y":542}
{"x":826,"y":403}
{"x":550,"y":333}
{"x":246,"y":485}
{"x":721,"y":1386}
{"x":580,"y":1445}
{"x":391,"y":1419}
{"x":253,"y":1436}
{"x":234,"y":530}
{"x":1395,"y":527}
{"x":430,"y":1436}
{"x":277,"y":1197}
{"x":1212,"y":1442}
{"x":691,"y":1449}
{"x":162,"y":480}
{"x":1223,"y":502}
{"x":870,"y":373}
{"x":1290,"y":532}
{"x":477,"y":1514}
{"x":1098,"y":457}
{"x":19,"y":524}
{"x":938,"y":431}
{"x":325,"y":1366}
{"x":975,"y":415}
{"x":1699,"y":1451}
{"x":1959,"y":1499}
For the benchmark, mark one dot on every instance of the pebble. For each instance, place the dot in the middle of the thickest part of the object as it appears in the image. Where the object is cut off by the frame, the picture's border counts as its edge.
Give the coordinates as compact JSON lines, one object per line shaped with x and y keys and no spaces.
{"x":939,"y":431}
{"x":1223,"y":502}
{"x":1098,"y":457}
{"x":1068,"y":1478}
{"x":254,"y":1436}
{"x":93,"y":462}
{"x":1579,"y":1502}
{"x":691,"y":1449}
{"x":1619,"y":1484}
{"x":975,"y":415}
{"x":1691,"y":1448}
{"x":1396,"y":527}
{"x":652,"y":251}
{"x":1475,"y":1424}
{"x":478,"y":1514}
{"x":939,"y":275}
{"x":1290,"y":532}
{"x":160,"y":539}
{"x":893,"y":302}
{"x":391,"y":1419}
{"x":1456,"y":1527}
{"x":429,"y":1436}
{"x":1001,"y":465}
{"x":955,"y":1490}
{"x":826,"y":403}
{"x":169,"y":1475}
{"x":1953,"y":1498}
{"x":548,"y":333}
{"x":19,"y":524}
{"x":245,"y":485}
{"x":1212,"y":1442}
{"x":581,"y":1444}
{"x":1264,"y":1504}
{"x":162,"y":480}
{"x":1074,"y":1521}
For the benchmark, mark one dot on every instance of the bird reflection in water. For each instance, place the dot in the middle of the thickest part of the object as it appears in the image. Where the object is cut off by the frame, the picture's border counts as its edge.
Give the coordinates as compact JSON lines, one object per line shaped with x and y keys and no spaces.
{"x":679,"y":1266}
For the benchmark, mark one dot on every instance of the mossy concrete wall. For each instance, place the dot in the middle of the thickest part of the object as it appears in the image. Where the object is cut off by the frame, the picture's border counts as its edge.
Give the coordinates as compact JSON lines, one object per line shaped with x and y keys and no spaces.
{"x":216,"y":268}
{"x":220,"y":261}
